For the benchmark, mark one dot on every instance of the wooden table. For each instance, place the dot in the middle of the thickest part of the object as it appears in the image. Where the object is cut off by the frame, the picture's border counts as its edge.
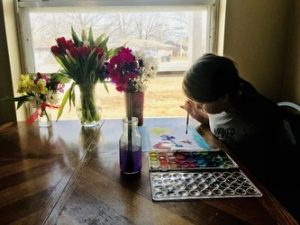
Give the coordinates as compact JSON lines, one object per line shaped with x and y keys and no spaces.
{"x":70,"y":175}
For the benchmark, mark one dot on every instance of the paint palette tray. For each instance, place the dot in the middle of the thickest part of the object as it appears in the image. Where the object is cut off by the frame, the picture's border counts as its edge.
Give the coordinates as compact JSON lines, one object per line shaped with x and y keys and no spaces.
{"x":190,"y":160}
{"x":201,"y":185}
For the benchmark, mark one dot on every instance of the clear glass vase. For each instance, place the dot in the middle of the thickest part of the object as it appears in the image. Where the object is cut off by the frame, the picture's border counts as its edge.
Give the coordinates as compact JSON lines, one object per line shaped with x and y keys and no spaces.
{"x":38,"y":114}
{"x":87,"y":105}
{"x":45,"y":118}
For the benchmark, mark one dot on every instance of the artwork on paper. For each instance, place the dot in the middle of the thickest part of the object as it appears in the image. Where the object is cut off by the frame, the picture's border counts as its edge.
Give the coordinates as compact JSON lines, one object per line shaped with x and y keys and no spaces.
{"x":176,"y":139}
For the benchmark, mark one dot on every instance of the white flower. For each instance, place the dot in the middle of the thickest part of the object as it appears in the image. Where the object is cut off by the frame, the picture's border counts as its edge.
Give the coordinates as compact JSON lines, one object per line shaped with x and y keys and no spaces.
{"x":52,"y":97}
{"x":148,"y":70}
{"x":150,"y":67}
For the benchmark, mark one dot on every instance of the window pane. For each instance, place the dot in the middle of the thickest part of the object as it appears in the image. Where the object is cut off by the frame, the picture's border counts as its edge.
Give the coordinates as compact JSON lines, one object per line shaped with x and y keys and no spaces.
{"x":175,"y":38}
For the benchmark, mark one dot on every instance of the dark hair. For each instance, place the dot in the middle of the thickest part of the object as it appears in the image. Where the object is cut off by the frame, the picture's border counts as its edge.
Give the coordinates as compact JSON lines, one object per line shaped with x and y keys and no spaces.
{"x":210,"y":78}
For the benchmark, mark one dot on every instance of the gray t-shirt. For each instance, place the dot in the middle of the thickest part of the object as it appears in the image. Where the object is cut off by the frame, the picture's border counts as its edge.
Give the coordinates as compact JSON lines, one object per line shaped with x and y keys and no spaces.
{"x":230,"y":128}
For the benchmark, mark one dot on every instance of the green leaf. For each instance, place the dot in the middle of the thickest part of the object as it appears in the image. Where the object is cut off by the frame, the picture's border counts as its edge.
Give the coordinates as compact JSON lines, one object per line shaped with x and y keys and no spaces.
{"x":75,"y":38}
{"x":20,"y":103}
{"x":63,"y":62}
{"x":83,"y":36}
{"x":47,"y":115}
{"x":61,"y":77}
{"x":63,"y":102}
{"x":112,"y":52}
{"x":72,"y":64}
{"x":20,"y":99}
{"x":72,"y":95}
{"x":103,"y":44}
{"x":105,"y":86}
{"x":90,"y":66}
{"x":70,"y":67}
{"x":90,"y":38}
{"x":101,"y":61}
{"x":99,"y":40}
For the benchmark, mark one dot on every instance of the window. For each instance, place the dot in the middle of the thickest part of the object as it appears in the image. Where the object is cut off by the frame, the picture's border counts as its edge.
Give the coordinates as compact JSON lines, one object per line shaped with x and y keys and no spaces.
{"x":174,"y":33}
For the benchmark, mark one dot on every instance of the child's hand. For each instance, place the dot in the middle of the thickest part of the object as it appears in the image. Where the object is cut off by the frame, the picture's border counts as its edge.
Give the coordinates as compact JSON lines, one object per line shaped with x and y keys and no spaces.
{"x":196,"y":111}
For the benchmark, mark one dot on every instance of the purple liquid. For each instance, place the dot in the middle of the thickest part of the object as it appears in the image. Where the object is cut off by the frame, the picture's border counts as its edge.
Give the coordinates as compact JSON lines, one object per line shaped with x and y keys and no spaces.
{"x":133,"y":165}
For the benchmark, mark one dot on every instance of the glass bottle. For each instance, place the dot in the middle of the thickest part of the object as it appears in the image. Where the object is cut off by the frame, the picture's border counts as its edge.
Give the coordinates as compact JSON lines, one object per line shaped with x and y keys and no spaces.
{"x":130,"y":146}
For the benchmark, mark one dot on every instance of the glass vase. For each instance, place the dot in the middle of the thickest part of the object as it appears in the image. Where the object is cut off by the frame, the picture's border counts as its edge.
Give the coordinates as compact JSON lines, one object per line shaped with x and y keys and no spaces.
{"x":134,"y":105}
{"x":87,"y":105}
{"x":45,"y":118}
{"x":37,"y":114}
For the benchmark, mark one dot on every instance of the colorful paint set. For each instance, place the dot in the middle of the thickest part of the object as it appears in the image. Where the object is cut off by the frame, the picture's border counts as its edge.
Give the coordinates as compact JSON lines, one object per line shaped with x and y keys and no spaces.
{"x":184,"y":166}
{"x":194,"y":160}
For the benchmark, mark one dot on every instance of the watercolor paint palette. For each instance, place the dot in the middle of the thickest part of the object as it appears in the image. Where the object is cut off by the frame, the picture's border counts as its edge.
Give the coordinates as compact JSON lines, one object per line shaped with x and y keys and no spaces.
{"x":190,"y":160}
{"x":201,"y":185}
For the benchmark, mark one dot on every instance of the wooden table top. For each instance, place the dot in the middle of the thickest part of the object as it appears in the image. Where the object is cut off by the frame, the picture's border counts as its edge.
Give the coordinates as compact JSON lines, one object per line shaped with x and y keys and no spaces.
{"x":67,"y":174}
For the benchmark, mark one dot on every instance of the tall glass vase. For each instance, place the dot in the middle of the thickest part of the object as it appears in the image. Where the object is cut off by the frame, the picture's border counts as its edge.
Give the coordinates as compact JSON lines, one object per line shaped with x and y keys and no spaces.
{"x":134,"y":104}
{"x":87,"y":106}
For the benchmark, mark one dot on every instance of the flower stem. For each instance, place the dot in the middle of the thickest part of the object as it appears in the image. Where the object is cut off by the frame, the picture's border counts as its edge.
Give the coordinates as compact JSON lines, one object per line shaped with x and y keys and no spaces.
{"x":89,"y":112}
{"x":48,"y":118}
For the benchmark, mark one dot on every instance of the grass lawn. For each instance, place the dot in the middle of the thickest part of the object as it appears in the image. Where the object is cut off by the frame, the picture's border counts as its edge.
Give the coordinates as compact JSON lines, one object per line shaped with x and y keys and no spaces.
{"x":162,"y":99}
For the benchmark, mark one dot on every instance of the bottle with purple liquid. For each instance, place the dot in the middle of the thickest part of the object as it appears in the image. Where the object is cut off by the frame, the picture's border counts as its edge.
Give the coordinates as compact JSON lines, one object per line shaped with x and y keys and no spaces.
{"x":130,"y":147}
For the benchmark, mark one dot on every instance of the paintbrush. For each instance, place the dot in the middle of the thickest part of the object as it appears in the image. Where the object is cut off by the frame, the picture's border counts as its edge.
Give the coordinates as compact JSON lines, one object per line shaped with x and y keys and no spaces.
{"x":187,"y":122}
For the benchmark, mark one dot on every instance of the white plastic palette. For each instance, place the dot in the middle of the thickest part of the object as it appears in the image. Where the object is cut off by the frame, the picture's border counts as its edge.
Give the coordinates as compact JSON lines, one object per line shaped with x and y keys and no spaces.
{"x":201,"y":185}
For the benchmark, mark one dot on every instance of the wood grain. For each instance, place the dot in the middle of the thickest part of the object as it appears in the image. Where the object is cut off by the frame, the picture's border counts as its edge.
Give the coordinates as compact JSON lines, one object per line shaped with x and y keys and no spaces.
{"x":70,"y":175}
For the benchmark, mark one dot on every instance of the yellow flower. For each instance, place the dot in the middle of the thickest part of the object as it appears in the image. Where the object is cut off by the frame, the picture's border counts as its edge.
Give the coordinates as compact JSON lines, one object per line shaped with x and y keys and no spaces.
{"x":41,"y":87}
{"x":25,"y":84}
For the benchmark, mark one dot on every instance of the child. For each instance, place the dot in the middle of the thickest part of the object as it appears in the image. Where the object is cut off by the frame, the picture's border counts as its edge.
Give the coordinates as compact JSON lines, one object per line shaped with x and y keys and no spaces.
{"x":249,"y":123}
